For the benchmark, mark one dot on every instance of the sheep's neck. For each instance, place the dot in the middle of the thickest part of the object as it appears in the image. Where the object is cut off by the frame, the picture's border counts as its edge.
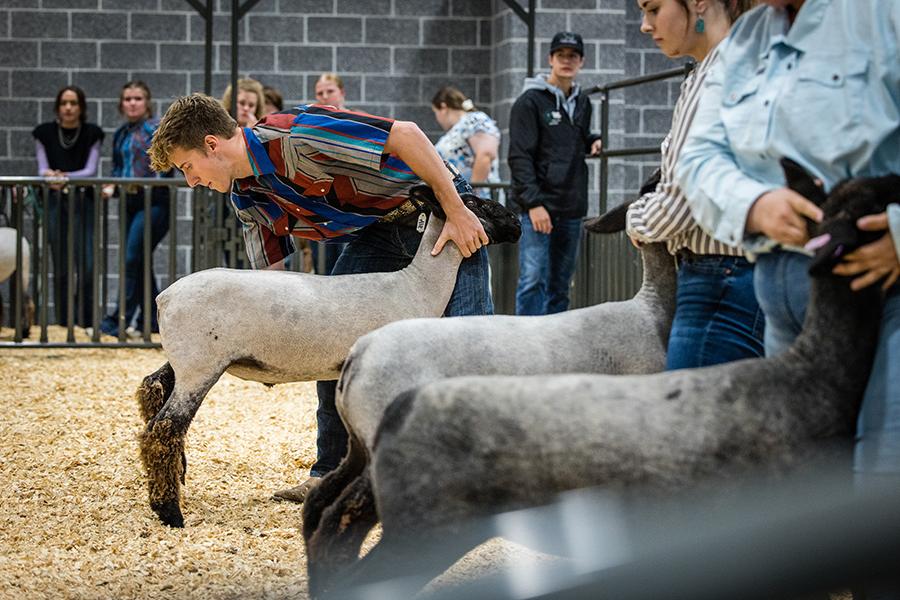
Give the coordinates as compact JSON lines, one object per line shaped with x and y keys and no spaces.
{"x":840,"y":333}
{"x":436,"y":273}
{"x":659,"y":281}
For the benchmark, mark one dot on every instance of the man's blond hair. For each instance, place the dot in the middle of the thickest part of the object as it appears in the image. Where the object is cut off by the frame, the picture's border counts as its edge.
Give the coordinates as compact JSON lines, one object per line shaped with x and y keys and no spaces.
{"x":185,"y":125}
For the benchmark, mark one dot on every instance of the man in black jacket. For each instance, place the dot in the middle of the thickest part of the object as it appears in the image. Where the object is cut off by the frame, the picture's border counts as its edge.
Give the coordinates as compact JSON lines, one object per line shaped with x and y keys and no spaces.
{"x":549,"y":135}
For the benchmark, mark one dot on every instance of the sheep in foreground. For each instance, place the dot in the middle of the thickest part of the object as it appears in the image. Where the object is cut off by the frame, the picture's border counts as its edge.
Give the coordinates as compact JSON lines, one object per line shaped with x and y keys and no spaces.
{"x":627,"y":337}
{"x":8,"y":267}
{"x":278,"y":327}
{"x":465,"y":447}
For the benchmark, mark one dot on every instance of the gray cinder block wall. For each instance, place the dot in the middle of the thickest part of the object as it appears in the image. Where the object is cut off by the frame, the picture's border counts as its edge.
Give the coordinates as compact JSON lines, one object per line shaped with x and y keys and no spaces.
{"x":393,"y":55}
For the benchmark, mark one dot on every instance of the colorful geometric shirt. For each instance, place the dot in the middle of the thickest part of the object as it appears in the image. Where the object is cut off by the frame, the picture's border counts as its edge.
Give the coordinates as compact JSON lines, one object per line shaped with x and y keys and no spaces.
{"x":454,"y":146}
{"x":318,"y":173}
{"x":130,"y":143}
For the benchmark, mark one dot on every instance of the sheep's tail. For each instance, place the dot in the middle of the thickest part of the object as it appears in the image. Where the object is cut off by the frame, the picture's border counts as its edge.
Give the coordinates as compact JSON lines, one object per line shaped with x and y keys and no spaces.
{"x":154,"y":390}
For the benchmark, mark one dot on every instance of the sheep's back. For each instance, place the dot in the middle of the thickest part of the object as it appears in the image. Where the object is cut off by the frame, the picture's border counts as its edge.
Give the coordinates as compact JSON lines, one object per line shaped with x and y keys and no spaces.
{"x":614,"y":337}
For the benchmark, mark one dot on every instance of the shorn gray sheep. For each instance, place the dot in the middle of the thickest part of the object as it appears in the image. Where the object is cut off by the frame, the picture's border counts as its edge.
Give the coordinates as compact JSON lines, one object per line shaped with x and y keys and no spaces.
{"x":614,"y":337}
{"x":8,"y":267}
{"x":278,"y":327}
{"x":465,"y":447}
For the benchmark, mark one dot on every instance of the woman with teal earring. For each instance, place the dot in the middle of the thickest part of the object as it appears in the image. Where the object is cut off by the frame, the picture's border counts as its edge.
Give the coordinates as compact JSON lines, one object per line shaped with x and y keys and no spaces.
{"x":717,"y":318}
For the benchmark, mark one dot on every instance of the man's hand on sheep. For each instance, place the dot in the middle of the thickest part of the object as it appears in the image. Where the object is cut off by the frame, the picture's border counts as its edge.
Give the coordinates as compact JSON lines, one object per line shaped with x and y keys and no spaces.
{"x":407,"y":142}
{"x":464,"y":229}
{"x":874,"y":261}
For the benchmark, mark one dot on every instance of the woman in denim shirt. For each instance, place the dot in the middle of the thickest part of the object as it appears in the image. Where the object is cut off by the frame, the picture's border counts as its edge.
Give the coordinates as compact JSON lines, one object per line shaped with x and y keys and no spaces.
{"x":817,"y":81}
{"x":130,"y":159}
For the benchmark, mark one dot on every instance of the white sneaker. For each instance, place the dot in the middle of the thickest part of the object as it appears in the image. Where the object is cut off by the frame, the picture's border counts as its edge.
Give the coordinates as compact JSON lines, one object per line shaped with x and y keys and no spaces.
{"x":133,"y":333}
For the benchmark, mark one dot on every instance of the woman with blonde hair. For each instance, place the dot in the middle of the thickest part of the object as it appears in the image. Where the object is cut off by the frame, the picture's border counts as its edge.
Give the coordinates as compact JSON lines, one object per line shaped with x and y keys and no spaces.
{"x":130,"y":144}
{"x":251,"y":102}
{"x":330,"y":90}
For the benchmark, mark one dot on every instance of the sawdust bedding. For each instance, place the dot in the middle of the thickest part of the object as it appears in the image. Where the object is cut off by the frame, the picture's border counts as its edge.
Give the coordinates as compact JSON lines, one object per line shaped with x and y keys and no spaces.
{"x":74,"y":519}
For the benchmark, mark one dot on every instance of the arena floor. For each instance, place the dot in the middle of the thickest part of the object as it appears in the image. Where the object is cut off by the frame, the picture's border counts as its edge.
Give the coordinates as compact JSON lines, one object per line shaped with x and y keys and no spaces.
{"x":74,"y":518}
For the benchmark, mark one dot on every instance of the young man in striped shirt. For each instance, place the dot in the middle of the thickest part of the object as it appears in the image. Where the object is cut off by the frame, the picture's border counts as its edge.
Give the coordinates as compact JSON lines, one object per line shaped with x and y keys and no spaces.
{"x":325,"y":174}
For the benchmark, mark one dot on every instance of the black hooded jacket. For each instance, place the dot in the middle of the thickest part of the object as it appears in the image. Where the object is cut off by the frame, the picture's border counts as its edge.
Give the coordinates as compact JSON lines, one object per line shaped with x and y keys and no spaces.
{"x":547,"y":149}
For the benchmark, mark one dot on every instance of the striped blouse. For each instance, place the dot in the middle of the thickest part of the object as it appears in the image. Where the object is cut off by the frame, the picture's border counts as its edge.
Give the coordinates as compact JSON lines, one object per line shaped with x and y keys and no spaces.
{"x":664,"y":214}
{"x":318,"y":173}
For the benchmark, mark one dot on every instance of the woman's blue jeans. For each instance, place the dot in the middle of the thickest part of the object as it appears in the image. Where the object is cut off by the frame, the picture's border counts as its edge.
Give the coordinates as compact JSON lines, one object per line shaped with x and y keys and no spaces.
{"x":717,"y":318}
{"x":134,"y":257}
{"x":782,"y":287}
{"x":383,"y":247}
{"x":546,"y":266}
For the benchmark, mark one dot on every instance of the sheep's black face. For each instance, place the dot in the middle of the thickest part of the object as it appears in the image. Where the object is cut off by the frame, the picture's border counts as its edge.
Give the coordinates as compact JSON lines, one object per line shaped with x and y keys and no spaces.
{"x":850,"y":200}
{"x":501,"y":224}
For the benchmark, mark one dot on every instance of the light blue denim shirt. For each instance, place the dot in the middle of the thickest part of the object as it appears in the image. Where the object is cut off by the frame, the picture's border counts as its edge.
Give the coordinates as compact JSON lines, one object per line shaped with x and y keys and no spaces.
{"x":824,"y":92}
{"x":893,"y":212}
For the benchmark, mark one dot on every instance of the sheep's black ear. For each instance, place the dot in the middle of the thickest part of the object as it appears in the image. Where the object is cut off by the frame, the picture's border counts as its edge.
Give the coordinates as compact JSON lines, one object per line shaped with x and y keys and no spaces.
{"x":830,"y":248}
{"x":612,"y":221}
{"x":802,"y":182}
{"x":423,"y":194}
{"x":650,"y":184}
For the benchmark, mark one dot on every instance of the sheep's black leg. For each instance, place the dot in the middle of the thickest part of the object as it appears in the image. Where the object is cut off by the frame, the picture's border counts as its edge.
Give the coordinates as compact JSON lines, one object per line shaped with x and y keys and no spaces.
{"x":330,"y":488}
{"x":154,"y":390}
{"x":341,"y":531}
{"x":162,"y":449}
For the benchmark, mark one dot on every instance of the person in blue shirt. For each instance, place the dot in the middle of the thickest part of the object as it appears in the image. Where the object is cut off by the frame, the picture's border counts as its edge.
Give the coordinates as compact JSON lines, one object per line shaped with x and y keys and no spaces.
{"x":817,"y":81}
{"x":130,"y":144}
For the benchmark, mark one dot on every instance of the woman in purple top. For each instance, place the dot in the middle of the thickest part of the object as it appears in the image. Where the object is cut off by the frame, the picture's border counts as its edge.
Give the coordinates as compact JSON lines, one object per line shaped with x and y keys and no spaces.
{"x":130,"y":144}
{"x":69,"y":147}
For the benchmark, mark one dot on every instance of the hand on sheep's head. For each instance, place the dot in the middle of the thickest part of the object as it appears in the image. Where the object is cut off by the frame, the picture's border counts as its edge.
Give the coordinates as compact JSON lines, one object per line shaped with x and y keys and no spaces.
{"x":876,"y":261}
{"x":500,"y":223}
{"x":839,"y":235}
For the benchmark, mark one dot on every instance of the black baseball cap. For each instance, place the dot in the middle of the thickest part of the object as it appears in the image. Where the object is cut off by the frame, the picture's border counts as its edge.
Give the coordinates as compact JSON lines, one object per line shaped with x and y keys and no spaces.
{"x":567,"y":39}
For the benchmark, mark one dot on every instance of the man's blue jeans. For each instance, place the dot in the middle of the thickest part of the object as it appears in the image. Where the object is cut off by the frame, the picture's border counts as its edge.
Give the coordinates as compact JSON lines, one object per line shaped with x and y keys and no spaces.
{"x":782,"y":287}
{"x":717,"y":318}
{"x":134,"y":257}
{"x":383,"y":247}
{"x":546,"y":266}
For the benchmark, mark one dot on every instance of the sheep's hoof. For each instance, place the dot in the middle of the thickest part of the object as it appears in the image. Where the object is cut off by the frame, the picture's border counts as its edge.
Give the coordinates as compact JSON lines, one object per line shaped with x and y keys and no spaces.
{"x":169,"y":513}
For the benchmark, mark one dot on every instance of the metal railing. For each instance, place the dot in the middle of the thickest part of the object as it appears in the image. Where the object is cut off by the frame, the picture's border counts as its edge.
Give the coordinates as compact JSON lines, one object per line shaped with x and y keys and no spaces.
{"x":78,"y":203}
{"x":608,"y":268}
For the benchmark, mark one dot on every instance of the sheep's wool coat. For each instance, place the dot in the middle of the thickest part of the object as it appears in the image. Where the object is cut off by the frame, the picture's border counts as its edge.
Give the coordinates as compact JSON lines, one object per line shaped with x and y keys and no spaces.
{"x":613,"y":337}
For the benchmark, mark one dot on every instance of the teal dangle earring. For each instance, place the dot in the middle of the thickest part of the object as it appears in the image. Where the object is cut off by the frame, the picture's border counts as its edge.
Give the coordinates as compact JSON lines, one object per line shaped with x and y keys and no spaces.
{"x":699,"y":26}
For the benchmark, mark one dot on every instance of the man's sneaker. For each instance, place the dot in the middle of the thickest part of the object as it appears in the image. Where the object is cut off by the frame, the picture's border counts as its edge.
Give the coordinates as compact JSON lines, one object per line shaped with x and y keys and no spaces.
{"x":133,"y":334}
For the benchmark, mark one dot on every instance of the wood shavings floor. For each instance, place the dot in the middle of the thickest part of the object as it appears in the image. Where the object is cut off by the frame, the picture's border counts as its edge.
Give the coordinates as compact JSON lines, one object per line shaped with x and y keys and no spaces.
{"x":74,"y":518}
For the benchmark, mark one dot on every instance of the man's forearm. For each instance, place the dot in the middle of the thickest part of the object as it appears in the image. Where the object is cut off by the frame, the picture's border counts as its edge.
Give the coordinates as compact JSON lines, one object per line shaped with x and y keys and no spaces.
{"x":407,"y":142}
